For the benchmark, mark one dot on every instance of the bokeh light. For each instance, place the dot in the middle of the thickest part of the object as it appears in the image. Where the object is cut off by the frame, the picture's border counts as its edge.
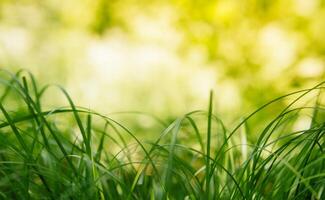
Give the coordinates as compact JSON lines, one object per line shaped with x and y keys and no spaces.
{"x":163,"y":57}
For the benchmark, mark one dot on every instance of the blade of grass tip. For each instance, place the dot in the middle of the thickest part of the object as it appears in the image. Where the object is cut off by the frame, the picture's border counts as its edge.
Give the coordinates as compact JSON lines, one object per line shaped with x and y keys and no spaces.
{"x":9,"y":86}
{"x":89,"y":129}
{"x":7,"y":90}
{"x":101,"y":144}
{"x":207,"y":175}
{"x":34,"y":85}
{"x":316,"y":110}
{"x":77,"y":118}
{"x":197,"y":132}
{"x":167,"y":177}
{"x":26,"y":91}
{"x":32,"y":106}
{"x":89,"y":134}
{"x":243,"y":138}
{"x":14,"y":129}
{"x":38,"y":108}
{"x":126,"y":150}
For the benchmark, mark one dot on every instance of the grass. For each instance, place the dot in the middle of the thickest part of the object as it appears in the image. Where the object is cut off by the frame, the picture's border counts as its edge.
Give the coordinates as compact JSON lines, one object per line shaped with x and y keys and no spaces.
{"x":71,"y":152}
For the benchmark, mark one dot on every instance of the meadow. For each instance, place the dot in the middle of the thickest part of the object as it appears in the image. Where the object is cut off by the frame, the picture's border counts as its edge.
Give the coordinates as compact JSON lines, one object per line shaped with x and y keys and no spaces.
{"x":72,"y":152}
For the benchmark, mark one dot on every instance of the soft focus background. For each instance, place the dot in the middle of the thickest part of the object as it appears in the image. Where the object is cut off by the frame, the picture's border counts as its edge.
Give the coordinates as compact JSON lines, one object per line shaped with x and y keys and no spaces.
{"x":163,"y":57}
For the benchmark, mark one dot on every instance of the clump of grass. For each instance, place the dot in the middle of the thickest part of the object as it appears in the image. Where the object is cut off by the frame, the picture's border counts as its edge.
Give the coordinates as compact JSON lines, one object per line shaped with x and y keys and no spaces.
{"x":71,"y":152}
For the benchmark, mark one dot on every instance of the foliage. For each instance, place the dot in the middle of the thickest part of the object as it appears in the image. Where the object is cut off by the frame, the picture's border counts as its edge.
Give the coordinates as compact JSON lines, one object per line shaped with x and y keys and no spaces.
{"x":72,"y":152}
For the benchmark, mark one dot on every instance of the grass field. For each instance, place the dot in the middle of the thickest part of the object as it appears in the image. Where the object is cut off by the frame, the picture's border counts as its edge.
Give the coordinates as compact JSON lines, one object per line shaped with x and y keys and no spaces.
{"x":71,"y":152}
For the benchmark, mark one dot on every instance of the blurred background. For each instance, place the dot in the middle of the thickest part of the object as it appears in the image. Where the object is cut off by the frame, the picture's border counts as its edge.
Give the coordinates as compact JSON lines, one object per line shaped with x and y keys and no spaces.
{"x":163,"y":57}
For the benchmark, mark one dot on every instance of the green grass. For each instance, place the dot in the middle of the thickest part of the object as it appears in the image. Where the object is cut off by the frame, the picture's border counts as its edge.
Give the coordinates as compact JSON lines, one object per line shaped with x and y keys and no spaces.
{"x":71,"y":152}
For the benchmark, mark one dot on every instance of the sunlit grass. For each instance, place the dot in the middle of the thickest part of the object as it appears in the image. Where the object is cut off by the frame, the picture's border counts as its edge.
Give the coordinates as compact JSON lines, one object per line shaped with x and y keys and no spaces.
{"x":71,"y":152}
